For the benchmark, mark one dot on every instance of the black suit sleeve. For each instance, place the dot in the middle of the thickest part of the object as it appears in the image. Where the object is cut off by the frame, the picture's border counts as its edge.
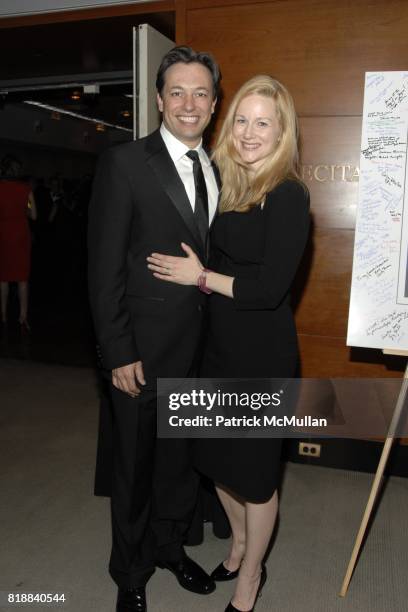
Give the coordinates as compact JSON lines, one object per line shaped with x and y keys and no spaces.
{"x":287,"y":226}
{"x":110,"y":219}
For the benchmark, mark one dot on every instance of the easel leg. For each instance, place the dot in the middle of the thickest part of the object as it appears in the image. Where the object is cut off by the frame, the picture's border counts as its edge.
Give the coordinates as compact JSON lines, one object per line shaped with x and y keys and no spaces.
{"x":376,"y":484}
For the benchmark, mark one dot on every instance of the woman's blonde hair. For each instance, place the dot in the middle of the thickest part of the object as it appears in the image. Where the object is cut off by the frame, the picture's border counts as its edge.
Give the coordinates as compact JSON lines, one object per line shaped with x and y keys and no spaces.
{"x":240,"y":190}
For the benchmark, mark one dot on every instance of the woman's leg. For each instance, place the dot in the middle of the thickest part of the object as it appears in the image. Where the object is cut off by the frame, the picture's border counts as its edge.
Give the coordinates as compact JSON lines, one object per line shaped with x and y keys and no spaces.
{"x":235,"y":510}
{"x":4,"y":286}
{"x":260,"y":521}
{"x":23,"y":297}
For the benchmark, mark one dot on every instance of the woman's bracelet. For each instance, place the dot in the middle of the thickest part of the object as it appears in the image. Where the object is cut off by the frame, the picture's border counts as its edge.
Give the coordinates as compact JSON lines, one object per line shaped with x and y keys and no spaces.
{"x":202,"y":281}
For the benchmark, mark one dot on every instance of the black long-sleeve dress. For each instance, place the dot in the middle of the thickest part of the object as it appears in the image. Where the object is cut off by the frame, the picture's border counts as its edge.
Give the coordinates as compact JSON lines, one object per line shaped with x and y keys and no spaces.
{"x":253,"y":334}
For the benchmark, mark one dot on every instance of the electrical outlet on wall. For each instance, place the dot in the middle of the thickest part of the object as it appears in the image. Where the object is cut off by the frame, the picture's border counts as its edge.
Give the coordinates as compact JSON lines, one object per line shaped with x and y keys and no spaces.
{"x":309,"y":450}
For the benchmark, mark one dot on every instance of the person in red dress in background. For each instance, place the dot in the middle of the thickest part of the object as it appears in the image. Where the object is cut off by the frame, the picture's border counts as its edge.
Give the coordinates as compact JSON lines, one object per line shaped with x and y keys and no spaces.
{"x":17,"y":204}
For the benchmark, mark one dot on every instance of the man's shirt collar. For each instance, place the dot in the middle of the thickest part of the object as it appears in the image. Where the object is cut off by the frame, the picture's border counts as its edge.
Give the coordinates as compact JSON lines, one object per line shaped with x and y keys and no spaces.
{"x":178,"y":149}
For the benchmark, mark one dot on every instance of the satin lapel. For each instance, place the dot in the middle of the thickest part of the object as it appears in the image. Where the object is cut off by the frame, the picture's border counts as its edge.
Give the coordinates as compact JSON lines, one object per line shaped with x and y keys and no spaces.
{"x":218,"y":181}
{"x":217,"y":175}
{"x":161,"y":163}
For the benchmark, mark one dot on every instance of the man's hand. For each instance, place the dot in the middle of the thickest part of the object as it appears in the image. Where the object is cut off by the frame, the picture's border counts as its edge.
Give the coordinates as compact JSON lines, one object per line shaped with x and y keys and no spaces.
{"x":128,"y":377}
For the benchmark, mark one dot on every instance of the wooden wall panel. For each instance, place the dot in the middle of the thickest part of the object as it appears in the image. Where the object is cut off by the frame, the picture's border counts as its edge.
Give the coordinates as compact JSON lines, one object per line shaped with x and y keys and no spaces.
{"x":329,"y":357}
{"x":324,"y":303}
{"x":330,"y":156}
{"x":319,"y":48}
{"x":181,"y":21}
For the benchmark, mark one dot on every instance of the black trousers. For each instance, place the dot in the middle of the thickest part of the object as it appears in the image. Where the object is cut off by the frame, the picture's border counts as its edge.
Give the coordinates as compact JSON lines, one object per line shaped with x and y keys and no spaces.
{"x":154,"y":491}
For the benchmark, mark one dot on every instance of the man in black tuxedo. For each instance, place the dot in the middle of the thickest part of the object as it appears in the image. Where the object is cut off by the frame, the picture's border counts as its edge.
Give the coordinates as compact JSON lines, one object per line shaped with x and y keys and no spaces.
{"x":152,"y":195}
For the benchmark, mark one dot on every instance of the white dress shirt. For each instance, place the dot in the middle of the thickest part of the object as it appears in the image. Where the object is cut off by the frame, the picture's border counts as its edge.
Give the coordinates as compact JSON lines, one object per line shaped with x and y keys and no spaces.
{"x":184,"y":167}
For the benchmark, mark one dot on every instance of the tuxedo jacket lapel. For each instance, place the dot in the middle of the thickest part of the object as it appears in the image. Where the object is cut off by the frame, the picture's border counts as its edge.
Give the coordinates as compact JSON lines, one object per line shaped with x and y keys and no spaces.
{"x":218,"y":181}
{"x":161,"y":163}
{"x":217,"y":175}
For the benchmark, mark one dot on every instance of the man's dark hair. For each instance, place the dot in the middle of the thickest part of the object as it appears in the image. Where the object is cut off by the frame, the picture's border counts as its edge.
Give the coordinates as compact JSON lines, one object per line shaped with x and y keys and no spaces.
{"x":187,"y":55}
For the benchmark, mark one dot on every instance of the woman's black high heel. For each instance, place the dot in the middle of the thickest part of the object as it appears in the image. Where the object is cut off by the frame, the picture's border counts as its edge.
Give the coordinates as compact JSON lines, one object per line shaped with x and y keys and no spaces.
{"x":222,"y":574}
{"x":231,"y":608}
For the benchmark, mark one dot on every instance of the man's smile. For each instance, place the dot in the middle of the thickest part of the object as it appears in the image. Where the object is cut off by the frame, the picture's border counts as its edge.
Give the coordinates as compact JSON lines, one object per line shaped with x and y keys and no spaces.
{"x":188,"y":118}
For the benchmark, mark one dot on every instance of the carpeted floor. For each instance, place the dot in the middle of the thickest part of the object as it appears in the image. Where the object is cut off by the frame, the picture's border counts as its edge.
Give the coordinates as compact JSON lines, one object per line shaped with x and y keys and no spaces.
{"x":55,"y":535}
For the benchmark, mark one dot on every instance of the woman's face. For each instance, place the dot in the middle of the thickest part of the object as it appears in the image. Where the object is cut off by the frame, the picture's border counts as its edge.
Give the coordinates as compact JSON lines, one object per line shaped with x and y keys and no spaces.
{"x":256,"y":130}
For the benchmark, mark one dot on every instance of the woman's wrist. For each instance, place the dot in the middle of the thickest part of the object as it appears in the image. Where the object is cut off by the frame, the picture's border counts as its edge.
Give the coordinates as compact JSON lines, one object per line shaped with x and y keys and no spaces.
{"x":202,"y":281}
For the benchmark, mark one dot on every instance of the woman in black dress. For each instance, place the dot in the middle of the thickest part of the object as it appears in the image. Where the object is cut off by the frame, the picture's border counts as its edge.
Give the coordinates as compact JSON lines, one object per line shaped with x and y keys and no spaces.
{"x":257,"y":242}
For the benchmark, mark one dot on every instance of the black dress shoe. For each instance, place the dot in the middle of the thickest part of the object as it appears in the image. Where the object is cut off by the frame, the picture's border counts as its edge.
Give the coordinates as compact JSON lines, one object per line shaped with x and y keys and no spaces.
{"x":231,"y":608}
{"x":190,"y":575}
{"x":222,"y":574}
{"x":131,"y":600}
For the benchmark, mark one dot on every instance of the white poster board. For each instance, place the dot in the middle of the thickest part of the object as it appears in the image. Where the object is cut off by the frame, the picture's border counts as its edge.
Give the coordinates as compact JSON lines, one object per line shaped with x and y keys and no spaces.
{"x":378,"y":315}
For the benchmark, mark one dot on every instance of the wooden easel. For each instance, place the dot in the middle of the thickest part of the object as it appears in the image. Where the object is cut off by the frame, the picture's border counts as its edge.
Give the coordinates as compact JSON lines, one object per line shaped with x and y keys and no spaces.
{"x":380,"y":472}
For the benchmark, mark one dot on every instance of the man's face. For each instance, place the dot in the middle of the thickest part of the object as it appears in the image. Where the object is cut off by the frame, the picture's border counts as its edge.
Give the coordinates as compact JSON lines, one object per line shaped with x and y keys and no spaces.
{"x":187,"y":101}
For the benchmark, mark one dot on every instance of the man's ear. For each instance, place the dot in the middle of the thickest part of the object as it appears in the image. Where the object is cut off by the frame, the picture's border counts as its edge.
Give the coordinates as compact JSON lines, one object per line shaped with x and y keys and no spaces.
{"x":214,"y":102}
{"x":159,"y":102}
